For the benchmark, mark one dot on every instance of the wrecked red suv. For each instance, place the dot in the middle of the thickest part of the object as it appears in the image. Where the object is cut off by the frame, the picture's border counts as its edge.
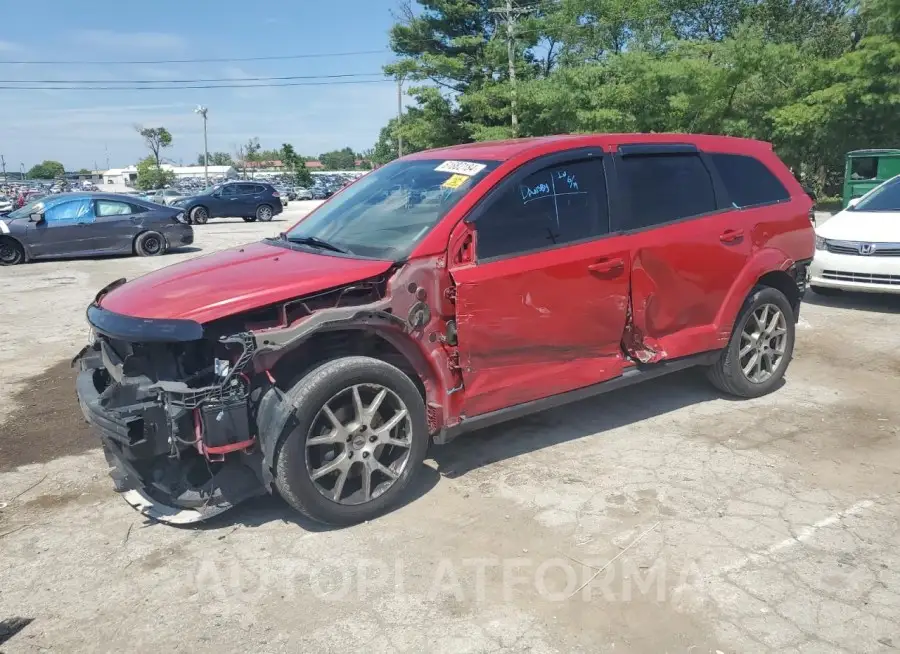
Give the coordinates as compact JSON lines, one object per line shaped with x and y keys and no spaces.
{"x":446,"y":291}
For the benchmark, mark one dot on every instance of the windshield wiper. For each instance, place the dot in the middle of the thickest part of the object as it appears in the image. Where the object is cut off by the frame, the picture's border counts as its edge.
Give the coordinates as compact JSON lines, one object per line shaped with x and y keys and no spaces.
{"x":315,"y":242}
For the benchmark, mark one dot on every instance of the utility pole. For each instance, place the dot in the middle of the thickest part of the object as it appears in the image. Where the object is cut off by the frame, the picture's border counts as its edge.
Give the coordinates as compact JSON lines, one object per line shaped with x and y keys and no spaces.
{"x":399,"y":116}
{"x":106,"y":150}
{"x":510,"y":14}
{"x":203,"y":111}
{"x":3,"y":162}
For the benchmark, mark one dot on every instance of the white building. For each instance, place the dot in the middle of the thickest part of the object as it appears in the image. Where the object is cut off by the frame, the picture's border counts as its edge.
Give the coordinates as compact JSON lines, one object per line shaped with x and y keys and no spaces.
{"x":228,"y":172}
{"x":120,"y":176}
{"x":126,"y":177}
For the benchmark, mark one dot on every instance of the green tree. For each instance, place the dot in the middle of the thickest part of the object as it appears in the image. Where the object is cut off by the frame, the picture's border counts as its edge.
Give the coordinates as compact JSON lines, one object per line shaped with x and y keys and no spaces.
{"x":151,"y":176}
{"x":295,"y":164}
{"x":216,"y":159}
{"x":156,"y":139}
{"x":47,"y":170}
{"x":344,"y":159}
{"x":84,"y":171}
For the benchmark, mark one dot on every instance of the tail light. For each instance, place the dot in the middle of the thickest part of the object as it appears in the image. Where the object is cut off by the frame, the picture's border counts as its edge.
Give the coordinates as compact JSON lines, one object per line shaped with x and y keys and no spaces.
{"x":812,"y":215}
{"x":276,"y":194}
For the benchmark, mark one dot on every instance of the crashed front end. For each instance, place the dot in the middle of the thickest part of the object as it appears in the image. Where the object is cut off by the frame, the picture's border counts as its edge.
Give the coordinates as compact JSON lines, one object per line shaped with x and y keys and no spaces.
{"x":170,"y":404}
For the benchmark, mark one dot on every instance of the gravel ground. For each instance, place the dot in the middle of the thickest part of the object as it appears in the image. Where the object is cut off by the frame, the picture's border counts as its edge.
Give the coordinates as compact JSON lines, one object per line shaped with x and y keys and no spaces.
{"x":702,"y":524}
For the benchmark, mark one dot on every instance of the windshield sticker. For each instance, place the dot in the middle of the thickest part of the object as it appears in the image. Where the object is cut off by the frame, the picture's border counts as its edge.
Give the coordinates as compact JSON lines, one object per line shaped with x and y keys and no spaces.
{"x":455,"y":181}
{"x":467,"y":168}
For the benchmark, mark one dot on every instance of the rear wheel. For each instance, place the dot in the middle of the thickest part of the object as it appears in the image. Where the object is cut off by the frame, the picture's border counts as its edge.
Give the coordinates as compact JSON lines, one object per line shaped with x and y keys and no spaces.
{"x":11,"y":252}
{"x":199,"y":215}
{"x":356,"y":438}
{"x":150,"y":244}
{"x":760,"y":348}
{"x":264,"y":213}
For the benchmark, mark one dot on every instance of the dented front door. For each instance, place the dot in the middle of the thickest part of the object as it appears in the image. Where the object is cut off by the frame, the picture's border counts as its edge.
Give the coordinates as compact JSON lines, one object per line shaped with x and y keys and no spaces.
{"x":539,"y":324}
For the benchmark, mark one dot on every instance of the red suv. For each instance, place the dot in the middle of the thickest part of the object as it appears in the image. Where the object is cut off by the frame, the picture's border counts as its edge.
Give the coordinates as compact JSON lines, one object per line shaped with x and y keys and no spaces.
{"x":446,"y":291}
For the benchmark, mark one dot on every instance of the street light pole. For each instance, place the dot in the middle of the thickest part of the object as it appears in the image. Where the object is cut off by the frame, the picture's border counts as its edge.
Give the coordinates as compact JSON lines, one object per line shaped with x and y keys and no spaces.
{"x":22,"y":168}
{"x":202,"y":111}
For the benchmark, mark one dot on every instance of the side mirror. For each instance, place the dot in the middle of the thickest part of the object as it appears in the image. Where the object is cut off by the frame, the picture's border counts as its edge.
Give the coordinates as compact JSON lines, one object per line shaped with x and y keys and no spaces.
{"x":36,"y":217}
{"x":853,"y":202}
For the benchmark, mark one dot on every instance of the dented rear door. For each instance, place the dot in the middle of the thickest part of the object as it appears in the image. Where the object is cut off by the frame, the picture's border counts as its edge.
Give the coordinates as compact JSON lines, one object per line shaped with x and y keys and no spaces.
{"x":686,"y":249}
{"x":537,"y":317}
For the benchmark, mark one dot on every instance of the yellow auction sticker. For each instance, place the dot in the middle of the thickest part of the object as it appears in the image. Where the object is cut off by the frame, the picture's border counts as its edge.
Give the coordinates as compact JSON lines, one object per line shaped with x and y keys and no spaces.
{"x":455,"y":181}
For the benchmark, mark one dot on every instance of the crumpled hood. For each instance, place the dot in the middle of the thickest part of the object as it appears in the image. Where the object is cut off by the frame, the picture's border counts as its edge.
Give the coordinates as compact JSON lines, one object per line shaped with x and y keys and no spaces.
{"x":869,"y":226}
{"x":235,"y":280}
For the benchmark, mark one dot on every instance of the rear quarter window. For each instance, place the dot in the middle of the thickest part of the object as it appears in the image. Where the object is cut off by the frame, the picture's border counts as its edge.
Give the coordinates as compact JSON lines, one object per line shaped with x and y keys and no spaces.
{"x":748,"y":181}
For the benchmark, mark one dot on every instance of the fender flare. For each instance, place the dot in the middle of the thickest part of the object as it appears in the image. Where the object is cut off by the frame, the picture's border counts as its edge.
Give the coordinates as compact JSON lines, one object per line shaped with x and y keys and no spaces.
{"x":273,"y":409}
{"x":763,"y":261}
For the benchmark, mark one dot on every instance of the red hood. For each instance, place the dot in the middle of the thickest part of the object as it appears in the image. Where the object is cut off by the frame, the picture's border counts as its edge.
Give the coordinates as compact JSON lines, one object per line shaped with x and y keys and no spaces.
{"x":236,"y":280}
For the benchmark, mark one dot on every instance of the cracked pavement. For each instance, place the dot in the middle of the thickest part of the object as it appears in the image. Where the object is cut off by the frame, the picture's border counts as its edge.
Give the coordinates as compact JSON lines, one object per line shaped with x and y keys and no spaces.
{"x":703,"y":524}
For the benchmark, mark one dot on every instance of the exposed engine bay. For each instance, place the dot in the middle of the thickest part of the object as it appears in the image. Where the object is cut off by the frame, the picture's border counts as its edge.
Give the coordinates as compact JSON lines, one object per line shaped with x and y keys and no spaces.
{"x":190,"y":416}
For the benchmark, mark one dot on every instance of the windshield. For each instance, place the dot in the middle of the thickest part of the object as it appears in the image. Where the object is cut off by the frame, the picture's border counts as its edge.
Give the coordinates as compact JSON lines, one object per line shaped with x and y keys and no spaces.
{"x":388,"y":211}
{"x":883,"y":198}
{"x":35,"y":206}
{"x":209,"y":190}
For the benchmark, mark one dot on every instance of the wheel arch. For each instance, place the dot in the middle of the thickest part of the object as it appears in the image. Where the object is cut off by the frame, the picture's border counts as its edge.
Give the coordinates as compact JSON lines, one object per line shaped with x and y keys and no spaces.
{"x":325,"y":344}
{"x":766,"y":267}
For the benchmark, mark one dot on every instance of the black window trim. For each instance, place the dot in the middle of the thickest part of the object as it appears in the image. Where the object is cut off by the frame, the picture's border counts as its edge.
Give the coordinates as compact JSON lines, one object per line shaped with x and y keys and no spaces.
{"x":727,"y":197}
{"x":620,"y":200}
{"x":577,"y":155}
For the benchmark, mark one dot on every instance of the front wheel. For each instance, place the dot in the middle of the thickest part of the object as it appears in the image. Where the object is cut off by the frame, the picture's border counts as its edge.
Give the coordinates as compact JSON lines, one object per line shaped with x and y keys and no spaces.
{"x":264,"y":213}
{"x":356,"y":438}
{"x":761,"y":346}
{"x":11,"y":252}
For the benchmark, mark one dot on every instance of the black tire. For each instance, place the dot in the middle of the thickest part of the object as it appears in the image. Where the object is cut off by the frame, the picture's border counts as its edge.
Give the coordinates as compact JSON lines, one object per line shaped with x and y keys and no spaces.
{"x":309,"y":395}
{"x":249,"y":219}
{"x":199,"y":215}
{"x":150,"y":244}
{"x":726,"y":374}
{"x":264,"y":213}
{"x":11,"y":252}
{"x":825,"y":290}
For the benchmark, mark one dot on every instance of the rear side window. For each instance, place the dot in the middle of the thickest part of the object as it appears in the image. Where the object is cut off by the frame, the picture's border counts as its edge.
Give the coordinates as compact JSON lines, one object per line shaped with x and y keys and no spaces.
{"x":748,"y":182}
{"x":113,"y":208}
{"x":558,"y":204}
{"x":662,"y":188}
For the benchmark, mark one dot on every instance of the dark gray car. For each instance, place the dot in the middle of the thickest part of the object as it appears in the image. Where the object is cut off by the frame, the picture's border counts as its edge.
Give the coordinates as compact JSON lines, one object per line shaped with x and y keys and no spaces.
{"x":89,"y":224}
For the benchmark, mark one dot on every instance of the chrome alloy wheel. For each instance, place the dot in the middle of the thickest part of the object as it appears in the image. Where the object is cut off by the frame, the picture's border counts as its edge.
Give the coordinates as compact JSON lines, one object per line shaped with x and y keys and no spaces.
{"x":763,"y":343}
{"x":359,"y":444}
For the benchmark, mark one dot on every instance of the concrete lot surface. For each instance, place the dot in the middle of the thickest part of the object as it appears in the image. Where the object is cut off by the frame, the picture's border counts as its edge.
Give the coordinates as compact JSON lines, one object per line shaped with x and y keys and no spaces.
{"x":660,"y":518}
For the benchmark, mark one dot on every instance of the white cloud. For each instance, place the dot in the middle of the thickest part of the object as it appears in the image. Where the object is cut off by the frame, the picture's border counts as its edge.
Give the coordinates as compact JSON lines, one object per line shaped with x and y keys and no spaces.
{"x":9,"y":46}
{"x":109,"y":39}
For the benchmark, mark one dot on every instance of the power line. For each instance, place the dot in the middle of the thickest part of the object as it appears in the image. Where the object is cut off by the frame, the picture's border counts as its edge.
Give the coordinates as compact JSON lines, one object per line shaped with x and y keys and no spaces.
{"x":190,"y":61}
{"x":182,"y":81}
{"x":198,"y":86}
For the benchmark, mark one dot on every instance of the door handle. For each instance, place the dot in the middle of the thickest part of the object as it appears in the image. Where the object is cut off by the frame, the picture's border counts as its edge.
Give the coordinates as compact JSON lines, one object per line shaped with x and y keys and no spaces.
{"x":607,"y":265}
{"x":731,"y":235}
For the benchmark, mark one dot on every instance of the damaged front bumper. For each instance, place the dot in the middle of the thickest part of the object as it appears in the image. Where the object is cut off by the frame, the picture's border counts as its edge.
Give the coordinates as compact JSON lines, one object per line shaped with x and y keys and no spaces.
{"x":175,"y":426}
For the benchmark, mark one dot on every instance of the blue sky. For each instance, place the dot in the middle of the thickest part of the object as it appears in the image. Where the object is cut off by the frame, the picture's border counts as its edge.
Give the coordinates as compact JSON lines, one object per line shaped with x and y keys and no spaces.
{"x":79,"y":127}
